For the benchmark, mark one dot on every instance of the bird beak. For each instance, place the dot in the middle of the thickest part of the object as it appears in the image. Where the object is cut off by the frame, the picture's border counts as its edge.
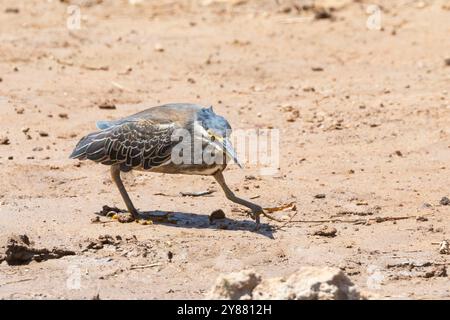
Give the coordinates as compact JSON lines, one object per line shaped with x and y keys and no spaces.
{"x":229,"y":150}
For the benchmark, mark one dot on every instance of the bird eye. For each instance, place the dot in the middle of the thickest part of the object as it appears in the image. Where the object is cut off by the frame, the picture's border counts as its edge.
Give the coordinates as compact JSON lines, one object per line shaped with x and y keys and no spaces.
{"x":213,"y":138}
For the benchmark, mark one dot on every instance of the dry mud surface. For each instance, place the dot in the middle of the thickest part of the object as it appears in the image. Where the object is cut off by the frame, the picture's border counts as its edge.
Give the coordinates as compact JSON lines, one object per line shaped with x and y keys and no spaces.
{"x":364,"y":120}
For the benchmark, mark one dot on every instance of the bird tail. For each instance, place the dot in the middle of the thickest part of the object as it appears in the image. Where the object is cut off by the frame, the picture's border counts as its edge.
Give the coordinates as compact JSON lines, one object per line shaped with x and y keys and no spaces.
{"x":80,"y":150}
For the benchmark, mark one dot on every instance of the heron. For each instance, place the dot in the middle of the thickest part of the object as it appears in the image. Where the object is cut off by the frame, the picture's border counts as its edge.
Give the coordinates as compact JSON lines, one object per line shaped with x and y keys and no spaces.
{"x":178,"y":138}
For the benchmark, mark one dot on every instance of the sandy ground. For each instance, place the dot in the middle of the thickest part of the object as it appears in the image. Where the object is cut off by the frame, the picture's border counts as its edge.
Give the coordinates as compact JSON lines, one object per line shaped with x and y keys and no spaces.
{"x":363,"y":115}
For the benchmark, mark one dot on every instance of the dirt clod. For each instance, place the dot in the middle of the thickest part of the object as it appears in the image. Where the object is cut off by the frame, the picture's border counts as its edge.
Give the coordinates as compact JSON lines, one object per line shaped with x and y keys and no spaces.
{"x":325,"y":231}
{"x":19,"y":251}
{"x":101,"y":241}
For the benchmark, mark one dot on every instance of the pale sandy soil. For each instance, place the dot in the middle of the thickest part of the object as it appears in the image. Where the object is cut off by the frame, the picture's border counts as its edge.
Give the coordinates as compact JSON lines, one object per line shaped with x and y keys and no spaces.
{"x":375,"y":131}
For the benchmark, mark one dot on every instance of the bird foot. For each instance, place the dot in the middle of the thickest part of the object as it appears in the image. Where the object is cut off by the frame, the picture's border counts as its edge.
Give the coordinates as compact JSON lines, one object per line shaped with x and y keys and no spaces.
{"x":124,"y":218}
{"x":130,"y":217}
{"x":127,"y":217}
{"x":255,"y":215}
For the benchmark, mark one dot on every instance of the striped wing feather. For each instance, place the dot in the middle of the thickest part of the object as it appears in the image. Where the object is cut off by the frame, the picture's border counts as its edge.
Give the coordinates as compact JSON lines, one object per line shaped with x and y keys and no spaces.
{"x":136,"y":143}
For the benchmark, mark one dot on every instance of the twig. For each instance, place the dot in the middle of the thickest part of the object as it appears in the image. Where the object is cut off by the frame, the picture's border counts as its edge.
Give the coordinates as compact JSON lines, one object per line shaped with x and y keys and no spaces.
{"x":17,"y":281}
{"x":145,"y":266}
{"x":101,"y":68}
{"x":71,"y":64}
{"x":163,"y":194}
{"x":197,"y":194}
{"x":268,"y":216}
{"x":65,"y":63}
{"x":121,"y":87}
{"x":287,"y":222}
{"x":354,"y":221}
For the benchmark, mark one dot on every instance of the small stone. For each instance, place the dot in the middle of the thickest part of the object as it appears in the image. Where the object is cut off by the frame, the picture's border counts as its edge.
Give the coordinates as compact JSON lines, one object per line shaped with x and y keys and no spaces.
{"x":63,"y":115}
{"x":323,"y":14}
{"x":216,"y":215}
{"x":444,"y":247}
{"x":426,"y":205}
{"x":95,"y":219}
{"x":159,"y":47}
{"x":326,"y":231}
{"x":445,"y":201}
{"x":43,"y":134}
{"x":234,"y":286}
{"x":4,"y":141}
{"x":320,"y":196}
{"x":309,"y":89}
{"x":107,"y":105}
{"x":12,"y":10}
{"x":447,"y":62}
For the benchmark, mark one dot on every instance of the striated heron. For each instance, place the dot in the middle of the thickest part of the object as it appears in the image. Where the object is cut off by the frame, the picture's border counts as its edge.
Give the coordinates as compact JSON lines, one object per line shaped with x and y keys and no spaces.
{"x":176,"y":138}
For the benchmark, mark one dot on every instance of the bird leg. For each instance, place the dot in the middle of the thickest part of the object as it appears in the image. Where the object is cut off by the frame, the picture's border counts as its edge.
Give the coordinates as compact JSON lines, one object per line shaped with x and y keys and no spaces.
{"x":115,"y":175}
{"x":256,"y":209}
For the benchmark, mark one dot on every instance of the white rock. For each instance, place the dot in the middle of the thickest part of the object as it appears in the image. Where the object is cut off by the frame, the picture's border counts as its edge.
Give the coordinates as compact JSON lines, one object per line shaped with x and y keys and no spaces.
{"x":309,"y":283}
{"x":235,"y":286}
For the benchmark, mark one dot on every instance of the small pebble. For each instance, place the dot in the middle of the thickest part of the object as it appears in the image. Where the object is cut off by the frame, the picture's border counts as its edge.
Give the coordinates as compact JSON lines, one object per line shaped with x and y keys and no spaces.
{"x":4,"y":141}
{"x":325,"y":231}
{"x":445,"y":201}
{"x":216,"y":215}
{"x":159,"y":47}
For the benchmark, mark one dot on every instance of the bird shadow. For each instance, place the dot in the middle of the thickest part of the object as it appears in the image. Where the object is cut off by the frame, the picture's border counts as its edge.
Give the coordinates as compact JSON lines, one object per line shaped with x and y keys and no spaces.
{"x":187,"y":220}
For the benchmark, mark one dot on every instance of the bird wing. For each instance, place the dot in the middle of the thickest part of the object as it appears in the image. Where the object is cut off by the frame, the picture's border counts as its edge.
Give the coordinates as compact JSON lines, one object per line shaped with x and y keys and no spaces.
{"x":136,"y":143}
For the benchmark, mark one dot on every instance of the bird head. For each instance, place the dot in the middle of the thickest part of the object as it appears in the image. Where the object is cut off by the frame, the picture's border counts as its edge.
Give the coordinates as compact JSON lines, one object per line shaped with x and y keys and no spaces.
{"x":216,"y":131}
